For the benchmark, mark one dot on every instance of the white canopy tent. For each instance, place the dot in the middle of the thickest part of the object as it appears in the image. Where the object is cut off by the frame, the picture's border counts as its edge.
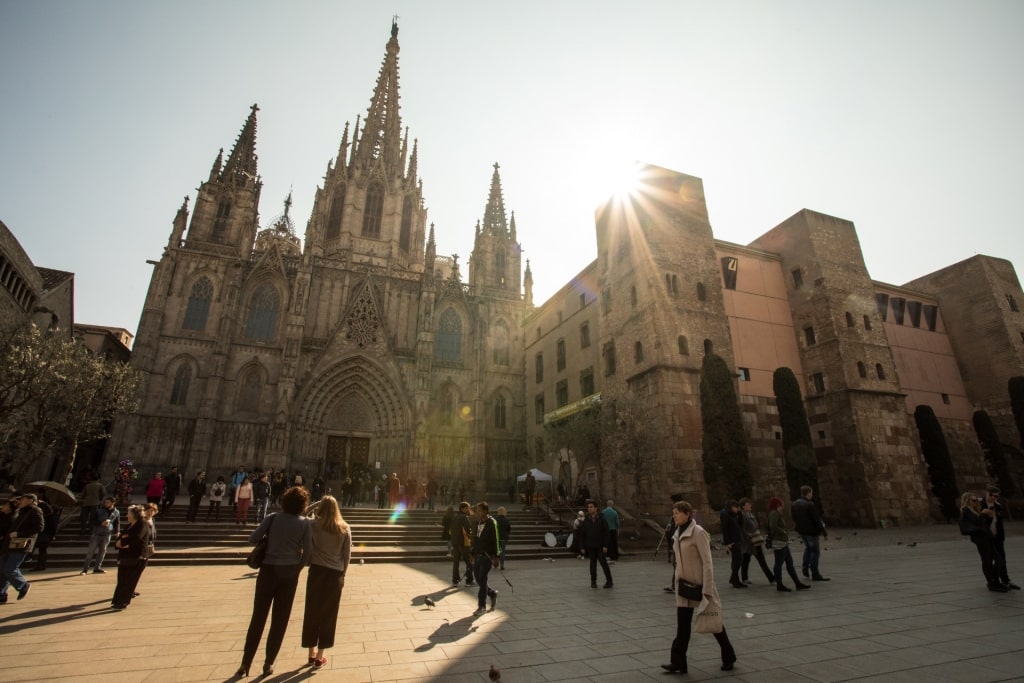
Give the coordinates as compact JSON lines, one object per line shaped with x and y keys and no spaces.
{"x":543,"y":483}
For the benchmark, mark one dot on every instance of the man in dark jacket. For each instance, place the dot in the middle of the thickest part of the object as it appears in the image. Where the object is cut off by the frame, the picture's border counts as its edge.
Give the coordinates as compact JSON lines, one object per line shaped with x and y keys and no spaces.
{"x":196,"y":491}
{"x":261,"y":496}
{"x":807,"y":522}
{"x":25,"y":528}
{"x":991,"y":501}
{"x":171,"y":488}
{"x":485,"y":556}
{"x":732,"y":539}
{"x":595,"y":540}
{"x":462,"y":540}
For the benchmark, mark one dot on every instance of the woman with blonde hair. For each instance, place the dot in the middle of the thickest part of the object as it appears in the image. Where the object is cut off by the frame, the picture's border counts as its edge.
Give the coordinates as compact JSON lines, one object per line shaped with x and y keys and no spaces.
{"x":977,"y":524}
{"x":332,"y":553}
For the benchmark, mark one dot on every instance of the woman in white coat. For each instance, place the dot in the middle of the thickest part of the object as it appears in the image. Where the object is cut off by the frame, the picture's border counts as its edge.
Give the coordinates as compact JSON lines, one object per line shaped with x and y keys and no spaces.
{"x":694,"y":567}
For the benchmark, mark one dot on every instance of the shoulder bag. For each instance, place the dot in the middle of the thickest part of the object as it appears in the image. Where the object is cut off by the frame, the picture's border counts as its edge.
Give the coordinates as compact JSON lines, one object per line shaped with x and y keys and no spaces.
{"x":690,"y":591}
{"x":259,"y":551}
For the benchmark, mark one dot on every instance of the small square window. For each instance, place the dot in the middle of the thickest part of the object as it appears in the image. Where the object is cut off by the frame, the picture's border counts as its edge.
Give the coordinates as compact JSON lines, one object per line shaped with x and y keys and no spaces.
{"x":821,"y":435}
{"x":743,"y":374}
{"x":778,"y":435}
{"x":818,"y":380}
{"x":945,"y":399}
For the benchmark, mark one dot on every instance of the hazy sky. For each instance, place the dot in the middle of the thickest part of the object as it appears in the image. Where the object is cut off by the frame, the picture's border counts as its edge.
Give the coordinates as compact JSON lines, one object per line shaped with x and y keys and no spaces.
{"x":906,"y":117}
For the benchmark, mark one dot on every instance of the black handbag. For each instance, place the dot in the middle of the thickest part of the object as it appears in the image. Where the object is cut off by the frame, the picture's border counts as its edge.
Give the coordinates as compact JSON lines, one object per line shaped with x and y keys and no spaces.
{"x":690,"y":591}
{"x":259,"y":551}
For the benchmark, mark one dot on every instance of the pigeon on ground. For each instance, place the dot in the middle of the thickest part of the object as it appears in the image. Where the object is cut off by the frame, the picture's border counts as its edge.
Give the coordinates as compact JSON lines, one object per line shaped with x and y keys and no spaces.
{"x":494,"y":674}
{"x":911,"y":545}
{"x":428,"y":602}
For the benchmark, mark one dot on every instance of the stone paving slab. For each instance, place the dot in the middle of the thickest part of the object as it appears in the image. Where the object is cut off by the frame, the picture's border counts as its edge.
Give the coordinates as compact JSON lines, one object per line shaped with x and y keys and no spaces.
{"x":891,"y":613}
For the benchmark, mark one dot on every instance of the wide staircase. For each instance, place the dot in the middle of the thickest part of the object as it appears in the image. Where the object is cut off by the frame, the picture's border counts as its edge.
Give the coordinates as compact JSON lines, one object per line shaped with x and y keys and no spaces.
{"x":378,"y":536}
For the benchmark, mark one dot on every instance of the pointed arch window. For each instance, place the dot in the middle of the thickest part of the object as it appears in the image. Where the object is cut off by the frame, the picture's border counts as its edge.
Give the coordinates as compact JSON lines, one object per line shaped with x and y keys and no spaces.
{"x":499,"y":412}
{"x":501,"y":338}
{"x":374,"y":212}
{"x":449,"y":337}
{"x":198,"y":305}
{"x":250,"y":390}
{"x":220,"y":223}
{"x":448,"y":409}
{"x":337,"y":211}
{"x":405,"y":235}
{"x":499,"y":268}
{"x":182,"y":381}
{"x":261,"y":321}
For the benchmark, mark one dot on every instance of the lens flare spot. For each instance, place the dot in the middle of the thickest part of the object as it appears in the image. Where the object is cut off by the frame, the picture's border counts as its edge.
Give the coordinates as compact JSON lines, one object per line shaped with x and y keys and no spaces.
{"x":399,"y":509}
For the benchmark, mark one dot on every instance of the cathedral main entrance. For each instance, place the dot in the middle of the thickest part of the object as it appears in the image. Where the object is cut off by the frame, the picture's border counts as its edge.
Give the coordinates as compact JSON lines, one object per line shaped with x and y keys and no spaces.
{"x":345,"y":456}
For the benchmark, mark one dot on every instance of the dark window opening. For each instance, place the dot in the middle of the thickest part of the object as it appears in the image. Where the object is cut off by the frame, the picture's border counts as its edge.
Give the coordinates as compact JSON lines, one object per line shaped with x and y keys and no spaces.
{"x":882,"y":302}
{"x":337,"y":210}
{"x":821,"y":434}
{"x":562,"y":393}
{"x":899,"y":305}
{"x":1012,"y":303}
{"x":449,"y":337}
{"x":862,"y":369}
{"x":931,"y":315}
{"x":809,"y":336}
{"x":538,"y":408}
{"x":709,"y":347}
{"x":743,"y":374}
{"x":684,"y":345}
{"x":818,"y":380}
{"x":702,"y":292}
{"x":879,"y":371}
{"x":945,"y":399}
{"x":730,"y":266}
{"x":609,"y":359}
{"x":638,"y":353}
{"x":584,"y":335}
{"x":538,"y":369}
{"x":182,"y":380}
{"x":867,"y":322}
{"x":374,"y":211}
{"x":586,"y":382}
{"x":632,"y":296}
{"x":198,"y":305}
{"x":798,"y":278}
{"x":499,"y":413}
{"x":405,"y":235}
{"x":914,"y":309}
{"x":849,"y":319}
{"x":560,"y":355}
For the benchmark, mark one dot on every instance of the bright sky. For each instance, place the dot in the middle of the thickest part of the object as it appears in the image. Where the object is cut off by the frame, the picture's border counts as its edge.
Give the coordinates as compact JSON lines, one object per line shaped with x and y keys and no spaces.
{"x":904,"y":116}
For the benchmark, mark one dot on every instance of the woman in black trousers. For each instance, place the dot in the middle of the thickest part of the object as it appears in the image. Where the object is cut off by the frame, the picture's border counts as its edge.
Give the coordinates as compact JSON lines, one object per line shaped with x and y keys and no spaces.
{"x":131,"y":550}
{"x":289,"y":548}
{"x":977,"y":524}
{"x":332,"y":553}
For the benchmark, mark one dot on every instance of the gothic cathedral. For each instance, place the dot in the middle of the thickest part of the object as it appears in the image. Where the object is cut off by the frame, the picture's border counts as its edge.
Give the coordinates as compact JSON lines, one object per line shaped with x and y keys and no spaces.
{"x":358,"y":349}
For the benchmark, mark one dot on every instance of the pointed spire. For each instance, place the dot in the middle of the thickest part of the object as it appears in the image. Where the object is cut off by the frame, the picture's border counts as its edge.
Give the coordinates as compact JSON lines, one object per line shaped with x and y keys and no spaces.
{"x":431,"y":250}
{"x":217,"y":164}
{"x":343,"y":148}
{"x":414,"y":161}
{"x":512,"y":227}
{"x":528,"y":285}
{"x":405,"y":146}
{"x":243,"y":156}
{"x":180,"y":221}
{"x":355,"y":145}
{"x":382,"y":130}
{"x":494,"y":215}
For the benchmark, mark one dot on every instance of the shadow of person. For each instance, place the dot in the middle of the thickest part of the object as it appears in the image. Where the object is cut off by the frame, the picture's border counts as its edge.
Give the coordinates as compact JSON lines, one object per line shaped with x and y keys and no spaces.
{"x":449,"y":632}
{"x":435,"y":596}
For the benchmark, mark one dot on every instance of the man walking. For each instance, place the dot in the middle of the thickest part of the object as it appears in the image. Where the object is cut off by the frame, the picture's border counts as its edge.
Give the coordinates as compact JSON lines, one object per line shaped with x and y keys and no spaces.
{"x":485,"y":556}
{"x":991,"y":501}
{"x":807,"y":522}
{"x":611,"y":516}
{"x":171,"y":488}
{"x":462,"y":539}
{"x":261,"y":495}
{"x":594,"y":530}
{"x":92,"y":496}
{"x":732,"y":539}
{"x":106,"y":524}
{"x":25,"y":528}
{"x":196,"y":491}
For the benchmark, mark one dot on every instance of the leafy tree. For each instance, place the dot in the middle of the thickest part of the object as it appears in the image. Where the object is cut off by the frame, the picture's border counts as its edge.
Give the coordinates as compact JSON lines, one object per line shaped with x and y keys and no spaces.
{"x":54,"y":392}
{"x":582,"y":434}
{"x":995,"y":456}
{"x":1016,"y":389}
{"x":632,"y":435}
{"x":726,"y":459}
{"x":940,"y":464}
{"x":801,"y":461}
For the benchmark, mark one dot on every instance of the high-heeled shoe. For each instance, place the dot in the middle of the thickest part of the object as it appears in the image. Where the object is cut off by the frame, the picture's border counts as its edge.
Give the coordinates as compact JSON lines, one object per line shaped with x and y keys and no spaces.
{"x":243,"y":671}
{"x":268,"y":669}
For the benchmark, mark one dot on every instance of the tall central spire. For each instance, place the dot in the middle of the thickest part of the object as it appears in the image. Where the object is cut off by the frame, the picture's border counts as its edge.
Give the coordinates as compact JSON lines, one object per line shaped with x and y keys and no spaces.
{"x":495,"y":223}
{"x":382,"y":131}
{"x":243,"y":155}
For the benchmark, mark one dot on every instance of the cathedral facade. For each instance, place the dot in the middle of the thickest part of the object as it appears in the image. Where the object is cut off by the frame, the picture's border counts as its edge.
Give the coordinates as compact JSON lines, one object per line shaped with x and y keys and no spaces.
{"x":358,"y":348}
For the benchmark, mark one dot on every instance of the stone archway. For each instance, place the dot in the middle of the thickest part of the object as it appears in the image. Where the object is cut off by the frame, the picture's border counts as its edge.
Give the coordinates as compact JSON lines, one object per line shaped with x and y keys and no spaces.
{"x":354,"y":414}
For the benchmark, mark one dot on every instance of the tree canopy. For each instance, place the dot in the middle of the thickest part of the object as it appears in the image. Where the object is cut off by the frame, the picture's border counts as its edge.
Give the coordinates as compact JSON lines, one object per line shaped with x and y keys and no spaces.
{"x":55,"y":392}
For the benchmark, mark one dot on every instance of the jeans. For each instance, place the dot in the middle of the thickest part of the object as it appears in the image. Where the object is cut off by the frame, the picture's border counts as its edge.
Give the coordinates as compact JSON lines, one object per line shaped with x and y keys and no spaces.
{"x":460,"y":554}
{"x":261,"y":508}
{"x":88,"y":511}
{"x":275,"y":586}
{"x":812,"y":552}
{"x":481,"y":568}
{"x":783,"y":555}
{"x":97,"y":546}
{"x":12,"y":560}
{"x":597,"y":555}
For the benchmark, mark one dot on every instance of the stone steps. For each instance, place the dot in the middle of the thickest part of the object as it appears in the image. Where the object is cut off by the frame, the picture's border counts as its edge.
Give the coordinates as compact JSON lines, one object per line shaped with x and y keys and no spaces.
{"x":409,"y":536}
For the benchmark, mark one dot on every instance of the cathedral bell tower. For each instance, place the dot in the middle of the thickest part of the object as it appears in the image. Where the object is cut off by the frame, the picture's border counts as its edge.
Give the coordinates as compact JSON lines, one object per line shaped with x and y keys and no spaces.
{"x":225,"y":218}
{"x":370,"y":208}
{"x":495,"y":265}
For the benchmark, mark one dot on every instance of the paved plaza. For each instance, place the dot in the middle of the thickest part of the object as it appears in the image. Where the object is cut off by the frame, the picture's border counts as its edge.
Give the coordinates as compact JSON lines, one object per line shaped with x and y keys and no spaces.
{"x":893,"y":612}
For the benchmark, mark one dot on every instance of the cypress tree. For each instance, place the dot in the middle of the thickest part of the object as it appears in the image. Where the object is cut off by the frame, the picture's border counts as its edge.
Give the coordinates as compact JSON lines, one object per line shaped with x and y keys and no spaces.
{"x":1016,"y":389}
{"x":940,"y":464}
{"x":726,"y":459}
{"x":995,"y":457}
{"x":801,"y":461}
